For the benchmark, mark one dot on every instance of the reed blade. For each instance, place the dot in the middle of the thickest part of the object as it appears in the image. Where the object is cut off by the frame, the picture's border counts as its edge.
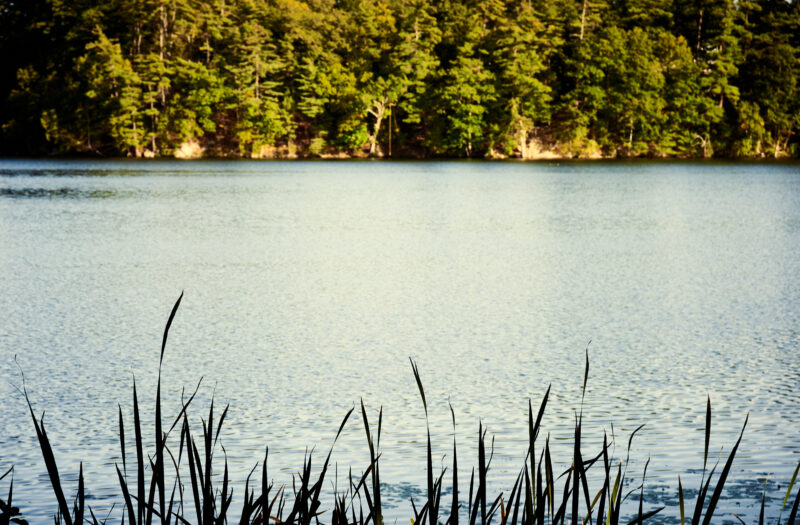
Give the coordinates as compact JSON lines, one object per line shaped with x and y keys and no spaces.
{"x":646,"y":516}
{"x":80,"y":498}
{"x":585,"y":375}
{"x":137,"y":430}
{"x":708,"y":432}
{"x":606,"y":481}
{"x":577,"y":472}
{"x":788,"y":490}
{"x":793,"y":514}
{"x":712,"y":503}
{"x":701,"y":498}
{"x":127,"y":496}
{"x":454,"y":505}
{"x":419,"y":385}
{"x":49,"y":461}
{"x":166,"y":329}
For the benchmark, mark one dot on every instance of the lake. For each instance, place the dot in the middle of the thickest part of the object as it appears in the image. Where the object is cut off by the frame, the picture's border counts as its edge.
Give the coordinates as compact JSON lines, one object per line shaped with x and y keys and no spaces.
{"x":308,"y":285}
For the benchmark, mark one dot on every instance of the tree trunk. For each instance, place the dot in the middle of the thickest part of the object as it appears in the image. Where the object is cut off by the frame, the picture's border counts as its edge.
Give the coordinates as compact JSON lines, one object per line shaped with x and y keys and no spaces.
{"x":699,"y":31}
{"x":162,"y":30}
{"x":378,"y":111}
{"x":630,"y":139}
{"x":583,"y":18}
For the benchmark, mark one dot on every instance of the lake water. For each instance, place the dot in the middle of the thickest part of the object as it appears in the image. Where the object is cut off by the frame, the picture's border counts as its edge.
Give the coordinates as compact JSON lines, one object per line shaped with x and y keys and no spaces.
{"x":308,"y":285}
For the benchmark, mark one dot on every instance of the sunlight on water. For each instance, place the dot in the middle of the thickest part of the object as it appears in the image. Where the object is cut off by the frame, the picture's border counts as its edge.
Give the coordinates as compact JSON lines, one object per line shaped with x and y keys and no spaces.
{"x":309,"y":284}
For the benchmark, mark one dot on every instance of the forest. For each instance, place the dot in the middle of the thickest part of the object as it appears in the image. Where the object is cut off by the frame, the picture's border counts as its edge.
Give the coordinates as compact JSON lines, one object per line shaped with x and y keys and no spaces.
{"x":400,"y":78}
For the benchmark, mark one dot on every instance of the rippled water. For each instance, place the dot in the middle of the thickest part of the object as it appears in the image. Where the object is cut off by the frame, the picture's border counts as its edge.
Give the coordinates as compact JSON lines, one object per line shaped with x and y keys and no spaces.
{"x":309,"y":284}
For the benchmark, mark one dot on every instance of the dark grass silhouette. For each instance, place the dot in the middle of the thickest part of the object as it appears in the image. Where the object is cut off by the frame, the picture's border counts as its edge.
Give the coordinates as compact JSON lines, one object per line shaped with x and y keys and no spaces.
{"x":153,"y":490}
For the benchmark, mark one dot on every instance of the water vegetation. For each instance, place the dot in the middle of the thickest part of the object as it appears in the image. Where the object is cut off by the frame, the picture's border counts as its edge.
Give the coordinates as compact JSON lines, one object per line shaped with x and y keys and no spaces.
{"x":412,"y":78}
{"x":184,"y":482}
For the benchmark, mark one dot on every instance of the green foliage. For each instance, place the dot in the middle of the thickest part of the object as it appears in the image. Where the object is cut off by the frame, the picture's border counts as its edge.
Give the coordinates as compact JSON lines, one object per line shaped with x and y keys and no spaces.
{"x":447,"y":77}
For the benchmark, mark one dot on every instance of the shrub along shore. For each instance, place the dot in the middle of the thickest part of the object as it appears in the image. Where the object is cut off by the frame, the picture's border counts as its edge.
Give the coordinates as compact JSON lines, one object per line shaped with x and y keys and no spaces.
{"x":180,"y":481}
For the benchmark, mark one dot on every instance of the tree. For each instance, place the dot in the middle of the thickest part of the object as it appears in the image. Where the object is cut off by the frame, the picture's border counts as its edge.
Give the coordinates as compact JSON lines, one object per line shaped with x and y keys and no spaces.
{"x":116,"y":89}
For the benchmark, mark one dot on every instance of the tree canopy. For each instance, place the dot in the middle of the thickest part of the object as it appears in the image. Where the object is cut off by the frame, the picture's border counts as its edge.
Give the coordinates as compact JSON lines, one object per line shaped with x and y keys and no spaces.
{"x":419,"y":78}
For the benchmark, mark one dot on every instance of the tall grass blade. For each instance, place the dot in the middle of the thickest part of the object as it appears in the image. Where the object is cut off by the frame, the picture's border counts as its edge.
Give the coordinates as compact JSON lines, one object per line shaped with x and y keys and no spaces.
{"x":194,"y":475}
{"x":472,"y":508}
{"x":613,"y":503}
{"x":482,"y":469}
{"x":712,"y":503}
{"x":641,"y":494}
{"x":166,"y":329}
{"x":78,"y":507}
{"x":454,"y":505}
{"x":551,"y":486}
{"x":49,"y":461}
{"x":788,"y":490}
{"x":646,"y":516}
{"x":561,"y":512}
{"x":158,"y":471}
{"x":127,"y":496}
{"x":701,"y":498}
{"x":533,"y":433}
{"x":708,"y":432}
{"x":606,"y":481}
{"x":577,"y":469}
{"x":421,"y":390}
{"x":122,"y":440}
{"x":793,"y":515}
{"x":680,"y":501}
{"x":137,"y":429}
{"x":630,"y":441}
{"x":585,"y":374}
{"x":375,"y":507}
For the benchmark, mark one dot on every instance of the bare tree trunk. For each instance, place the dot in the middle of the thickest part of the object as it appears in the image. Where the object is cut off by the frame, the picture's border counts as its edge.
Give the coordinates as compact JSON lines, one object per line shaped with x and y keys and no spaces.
{"x":699,"y":30}
{"x":583,"y":18}
{"x":378,"y":111}
{"x":162,"y":36}
{"x":162,"y":30}
{"x":630,"y":138}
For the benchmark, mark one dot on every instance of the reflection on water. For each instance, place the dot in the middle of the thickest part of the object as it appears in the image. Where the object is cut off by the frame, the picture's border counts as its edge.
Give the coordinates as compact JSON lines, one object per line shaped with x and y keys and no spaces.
{"x":54,"y":193}
{"x":309,"y":284}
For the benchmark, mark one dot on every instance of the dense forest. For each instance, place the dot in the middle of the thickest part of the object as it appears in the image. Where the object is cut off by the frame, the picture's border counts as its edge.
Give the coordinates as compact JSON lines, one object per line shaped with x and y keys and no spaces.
{"x":413,"y":78}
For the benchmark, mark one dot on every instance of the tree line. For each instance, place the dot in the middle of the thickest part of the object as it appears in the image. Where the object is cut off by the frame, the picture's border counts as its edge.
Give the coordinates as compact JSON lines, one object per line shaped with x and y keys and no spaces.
{"x":414,"y":78}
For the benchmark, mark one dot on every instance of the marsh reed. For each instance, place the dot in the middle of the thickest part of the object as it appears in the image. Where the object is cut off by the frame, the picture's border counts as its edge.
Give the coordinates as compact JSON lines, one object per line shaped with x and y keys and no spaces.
{"x":154,"y":488}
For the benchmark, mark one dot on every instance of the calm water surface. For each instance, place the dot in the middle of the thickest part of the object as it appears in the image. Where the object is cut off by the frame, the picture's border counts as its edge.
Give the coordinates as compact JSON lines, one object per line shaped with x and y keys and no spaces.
{"x":309,"y":284}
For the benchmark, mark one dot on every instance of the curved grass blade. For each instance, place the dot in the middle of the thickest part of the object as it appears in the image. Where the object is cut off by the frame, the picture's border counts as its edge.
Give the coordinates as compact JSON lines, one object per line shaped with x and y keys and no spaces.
{"x":419,"y":385}
{"x":630,"y":441}
{"x":49,"y":461}
{"x":646,"y":516}
{"x":166,"y":329}
{"x":793,"y":515}
{"x":127,"y":496}
{"x":712,"y":503}
{"x":788,"y":490}
{"x":585,"y":374}
{"x":701,"y":498}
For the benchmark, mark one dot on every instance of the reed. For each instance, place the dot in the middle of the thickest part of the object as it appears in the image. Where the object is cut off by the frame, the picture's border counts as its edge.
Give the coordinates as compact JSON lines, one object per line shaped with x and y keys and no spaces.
{"x":153,"y":491}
